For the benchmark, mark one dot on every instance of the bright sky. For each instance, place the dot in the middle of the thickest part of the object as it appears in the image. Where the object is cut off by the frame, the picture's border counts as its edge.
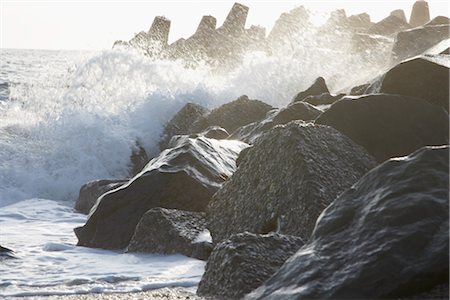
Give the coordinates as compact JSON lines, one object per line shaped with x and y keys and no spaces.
{"x":83,"y":24}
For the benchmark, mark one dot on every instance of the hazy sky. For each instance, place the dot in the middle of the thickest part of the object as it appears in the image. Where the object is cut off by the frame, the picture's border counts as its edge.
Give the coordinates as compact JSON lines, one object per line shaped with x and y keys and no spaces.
{"x":97,"y":24}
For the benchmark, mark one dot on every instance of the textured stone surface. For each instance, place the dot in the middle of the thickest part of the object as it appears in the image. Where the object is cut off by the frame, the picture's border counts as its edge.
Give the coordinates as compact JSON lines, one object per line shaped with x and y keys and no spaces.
{"x":184,"y":177}
{"x":385,"y":238}
{"x":388,"y":125}
{"x":323,"y":99}
{"x":390,"y":25}
{"x":182,"y":122}
{"x":420,"y":14}
{"x":425,"y":77}
{"x":239,"y":265}
{"x":90,"y":192}
{"x":170,"y":231}
{"x":317,"y":88}
{"x":233,"y":115}
{"x":285,"y":181}
{"x":294,"y":111}
{"x":215,"y":132}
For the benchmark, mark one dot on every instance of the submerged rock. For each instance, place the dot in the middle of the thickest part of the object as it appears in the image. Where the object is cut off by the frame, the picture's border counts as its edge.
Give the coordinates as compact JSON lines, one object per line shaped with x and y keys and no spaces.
{"x":317,"y":88}
{"x":182,"y":122}
{"x":385,"y":238}
{"x":91,"y":191}
{"x":323,"y":99}
{"x":426,"y":77}
{"x":285,"y":181}
{"x":233,"y":115}
{"x":239,"y":265}
{"x":171,"y":231}
{"x":184,"y":177}
{"x":6,"y":253}
{"x":294,"y":111}
{"x":388,"y":125}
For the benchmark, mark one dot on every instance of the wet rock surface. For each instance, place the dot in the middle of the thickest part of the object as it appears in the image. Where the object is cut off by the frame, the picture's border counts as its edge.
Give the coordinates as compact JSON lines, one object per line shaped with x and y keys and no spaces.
{"x":294,"y":111}
{"x":387,"y":237}
{"x":425,"y":77}
{"x":285,"y":181}
{"x":242,"y":263}
{"x":91,"y":191}
{"x":182,"y":122}
{"x":388,"y":125}
{"x":184,"y":177}
{"x":317,"y":88}
{"x":171,"y":231}
{"x":233,"y":115}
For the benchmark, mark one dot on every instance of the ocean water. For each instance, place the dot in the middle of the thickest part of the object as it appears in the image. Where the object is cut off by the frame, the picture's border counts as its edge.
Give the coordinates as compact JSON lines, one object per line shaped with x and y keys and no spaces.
{"x":69,"y":117}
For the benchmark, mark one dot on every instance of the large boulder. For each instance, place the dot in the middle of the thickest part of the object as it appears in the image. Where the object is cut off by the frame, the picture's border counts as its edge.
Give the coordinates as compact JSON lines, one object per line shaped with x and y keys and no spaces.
{"x":241,"y":264}
{"x":420,"y":14}
{"x":285,"y":181}
{"x":91,"y":191}
{"x":294,"y":111}
{"x":388,"y":125}
{"x":184,"y":177}
{"x":387,"y":237}
{"x":170,"y":231}
{"x":426,"y":77}
{"x":317,"y":88}
{"x":138,"y":160}
{"x":182,"y":122}
{"x":417,"y":41}
{"x":233,"y":115}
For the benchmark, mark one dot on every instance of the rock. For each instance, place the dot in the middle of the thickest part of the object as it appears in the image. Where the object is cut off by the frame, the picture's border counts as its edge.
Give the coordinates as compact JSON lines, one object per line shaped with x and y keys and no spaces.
{"x":183,"y":178}
{"x":138,"y":160}
{"x":171,"y":231}
{"x":234,"y":23}
{"x":426,"y":77}
{"x":317,"y":88}
{"x":6,"y":253}
{"x":420,"y":14}
{"x":91,"y":191}
{"x":417,"y":41}
{"x":294,"y":111}
{"x":388,"y":125}
{"x":390,"y":25}
{"x":387,"y":237}
{"x":233,"y":115}
{"x":438,"y":292}
{"x":239,"y":265}
{"x":288,"y":26}
{"x":159,"y":31}
{"x":182,"y":122}
{"x":285,"y":181}
{"x":215,"y":132}
{"x":323,"y":99}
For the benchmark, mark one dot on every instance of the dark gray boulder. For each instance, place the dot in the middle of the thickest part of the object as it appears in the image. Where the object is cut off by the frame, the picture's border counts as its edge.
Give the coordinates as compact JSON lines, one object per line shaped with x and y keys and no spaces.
{"x":388,"y":125}
{"x":242,"y":263}
{"x":425,"y":77}
{"x":138,"y":160}
{"x":420,"y":14}
{"x":294,"y":111}
{"x":285,"y":181}
{"x":359,"y":90}
{"x":233,"y":115}
{"x":171,"y":231}
{"x":387,"y":237}
{"x":317,"y":88}
{"x":181,"y":123}
{"x":184,"y":177}
{"x":90,"y":192}
{"x":417,"y":41}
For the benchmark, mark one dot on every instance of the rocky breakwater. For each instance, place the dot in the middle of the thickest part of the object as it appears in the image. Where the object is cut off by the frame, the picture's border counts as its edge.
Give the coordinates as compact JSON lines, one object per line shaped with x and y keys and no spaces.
{"x":387,"y":237}
{"x":285,"y":181}
{"x":184,"y":177}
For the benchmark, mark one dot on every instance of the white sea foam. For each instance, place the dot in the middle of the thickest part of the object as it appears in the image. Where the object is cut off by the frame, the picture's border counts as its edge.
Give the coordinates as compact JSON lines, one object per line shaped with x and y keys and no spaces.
{"x":48,"y":262}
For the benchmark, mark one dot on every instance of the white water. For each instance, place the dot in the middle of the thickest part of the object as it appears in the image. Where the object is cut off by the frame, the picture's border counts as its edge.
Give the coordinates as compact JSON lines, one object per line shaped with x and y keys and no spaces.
{"x":70,"y":117}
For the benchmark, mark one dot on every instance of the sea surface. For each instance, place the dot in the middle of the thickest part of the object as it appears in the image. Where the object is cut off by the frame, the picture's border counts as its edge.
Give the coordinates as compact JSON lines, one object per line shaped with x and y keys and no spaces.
{"x":69,"y":117}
